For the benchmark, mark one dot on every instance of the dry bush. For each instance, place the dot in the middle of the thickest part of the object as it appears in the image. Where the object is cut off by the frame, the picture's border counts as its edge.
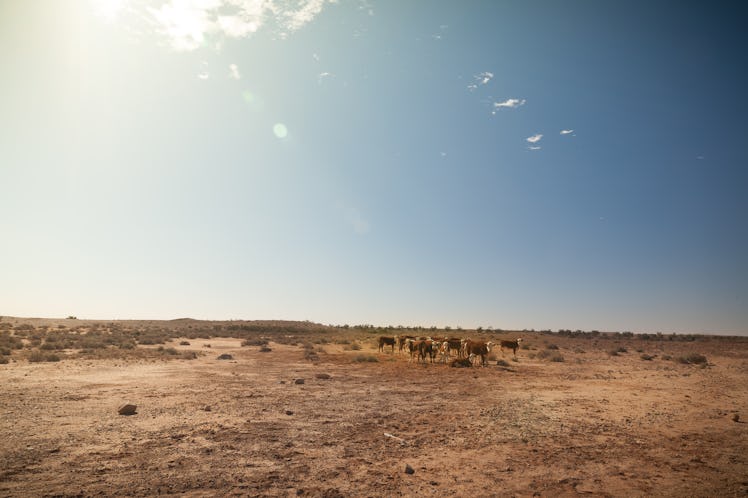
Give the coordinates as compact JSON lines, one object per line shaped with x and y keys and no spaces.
{"x":365,"y":358}
{"x":354,"y":346}
{"x":646,"y":357}
{"x":255,"y":342}
{"x":4,"y":360}
{"x":557,"y":358}
{"x":38,"y":356}
{"x":265,"y":349}
{"x":693,"y":359}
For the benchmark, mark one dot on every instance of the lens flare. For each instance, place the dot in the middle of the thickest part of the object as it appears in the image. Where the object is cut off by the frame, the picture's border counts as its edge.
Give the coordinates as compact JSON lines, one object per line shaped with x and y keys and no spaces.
{"x":280,"y":130}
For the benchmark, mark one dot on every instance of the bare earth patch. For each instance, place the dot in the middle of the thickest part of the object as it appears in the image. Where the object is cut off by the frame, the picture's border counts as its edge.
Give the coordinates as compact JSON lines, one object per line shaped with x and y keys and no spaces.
{"x":594,"y":424}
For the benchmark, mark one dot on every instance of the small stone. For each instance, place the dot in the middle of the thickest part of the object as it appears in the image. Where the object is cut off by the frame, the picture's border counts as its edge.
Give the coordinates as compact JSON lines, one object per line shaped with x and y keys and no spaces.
{"x":225,"y":356}
{"x":289,"y":412}
{"x":127,"y":409}
{"x":736,"y":418}
{"x":207,"y":408}
{"x":298,"y":381}
{"x":409,"y":469}
{"x":323,"y":376}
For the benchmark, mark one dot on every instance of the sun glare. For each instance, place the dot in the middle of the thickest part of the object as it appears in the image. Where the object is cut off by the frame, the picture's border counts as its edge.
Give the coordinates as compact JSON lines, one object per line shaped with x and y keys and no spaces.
{"x":107,"y":9}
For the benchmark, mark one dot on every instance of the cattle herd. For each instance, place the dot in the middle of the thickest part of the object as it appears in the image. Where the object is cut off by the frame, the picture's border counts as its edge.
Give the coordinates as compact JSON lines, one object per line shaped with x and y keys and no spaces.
{"x":440,"y":349}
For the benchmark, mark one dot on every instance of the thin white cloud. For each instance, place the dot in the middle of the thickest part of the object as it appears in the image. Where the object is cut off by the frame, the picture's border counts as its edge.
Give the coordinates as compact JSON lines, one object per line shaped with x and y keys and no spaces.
{"x":535,"y":138}
{"x":534,"y":147}
{"x":567,"y":132}
{"x":234,"y":72}
{"x":509,"y":103}
{"x":480,"y":80}
{"x":189,"y":24}
{"x":321,"y":77}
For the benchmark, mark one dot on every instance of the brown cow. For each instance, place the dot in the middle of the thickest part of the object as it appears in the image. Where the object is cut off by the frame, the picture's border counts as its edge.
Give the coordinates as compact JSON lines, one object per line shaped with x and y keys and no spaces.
{"x":513,"y":345}
{"x":385,"y":340}
{"x":477,"y":348}
{"x":402,"y":340}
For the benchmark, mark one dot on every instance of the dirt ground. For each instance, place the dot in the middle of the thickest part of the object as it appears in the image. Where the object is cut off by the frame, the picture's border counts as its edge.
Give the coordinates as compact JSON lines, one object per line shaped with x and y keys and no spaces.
{"x":271,"y":424}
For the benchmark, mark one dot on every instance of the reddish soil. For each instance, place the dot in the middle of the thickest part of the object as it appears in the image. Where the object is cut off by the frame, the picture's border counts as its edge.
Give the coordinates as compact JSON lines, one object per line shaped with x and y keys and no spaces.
{"x":594,"y":424}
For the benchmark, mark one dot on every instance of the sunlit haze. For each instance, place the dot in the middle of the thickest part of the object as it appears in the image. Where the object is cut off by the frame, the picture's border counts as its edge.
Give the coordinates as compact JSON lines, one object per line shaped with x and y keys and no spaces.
{"x":546,"y":165}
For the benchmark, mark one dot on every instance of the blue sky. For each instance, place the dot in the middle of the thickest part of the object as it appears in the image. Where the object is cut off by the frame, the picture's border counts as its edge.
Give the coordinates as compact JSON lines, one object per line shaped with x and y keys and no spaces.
{"x":514,"y":164}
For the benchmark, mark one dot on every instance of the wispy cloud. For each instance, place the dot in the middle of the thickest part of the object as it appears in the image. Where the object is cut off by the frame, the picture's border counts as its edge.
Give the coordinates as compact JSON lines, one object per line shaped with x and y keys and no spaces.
{"x":321,"y":77}
{"x":567,"y":132}
{"x":535,"y":138}
{"x":480,"y":80}
{"x":534,"y":147}
{"x":234,"y":72}
{"x":509,"y":103}
{"x":190,"y":24}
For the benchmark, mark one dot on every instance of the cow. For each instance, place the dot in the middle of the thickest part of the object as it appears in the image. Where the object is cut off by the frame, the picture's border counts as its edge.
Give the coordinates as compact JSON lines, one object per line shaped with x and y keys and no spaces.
{"x":477,"y":348}
{"x":426,"y":348}
{"x":385,"y":340}
{"x":402,"y":340}
{"x":454,"y":344}
{"x":513,"y":345}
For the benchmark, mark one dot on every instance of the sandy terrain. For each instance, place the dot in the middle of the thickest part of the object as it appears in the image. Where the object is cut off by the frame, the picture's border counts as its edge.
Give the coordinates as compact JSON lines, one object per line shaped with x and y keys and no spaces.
{"x":594,"y":424}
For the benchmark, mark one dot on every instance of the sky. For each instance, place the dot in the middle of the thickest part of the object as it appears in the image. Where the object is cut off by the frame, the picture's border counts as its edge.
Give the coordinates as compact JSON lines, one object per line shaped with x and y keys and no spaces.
{"x":506,"y":164}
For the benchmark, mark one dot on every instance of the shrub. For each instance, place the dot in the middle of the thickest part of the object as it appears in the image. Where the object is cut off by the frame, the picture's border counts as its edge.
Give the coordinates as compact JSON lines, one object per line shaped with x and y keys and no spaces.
{"x":552,"y":346}
{"x":646,"y":357}
{"x":352,"y":347}
{"x":613,"y":352}
{"x":38,"y":356}
{"x":361,"y":358}
{"x":265,"y":349}
{"x":184,"y":343}
{"x":693,"y":359}
{"x":4,"y":360}
{"x":557,"y":358}
{"x":254,"y":342}
{"x":667,"y":357}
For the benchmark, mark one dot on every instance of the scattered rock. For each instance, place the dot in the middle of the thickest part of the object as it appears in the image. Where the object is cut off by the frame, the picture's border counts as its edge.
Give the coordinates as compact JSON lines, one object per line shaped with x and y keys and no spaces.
{"x":289,"y":412}
{"x":323,"y":376}
{"x":127,"y":409}
{"x":207,"y":408}
{"x":298,"y":381}
{"x":409,"y":469}
{"x":225,"y":356}
{"x":735,"y":417}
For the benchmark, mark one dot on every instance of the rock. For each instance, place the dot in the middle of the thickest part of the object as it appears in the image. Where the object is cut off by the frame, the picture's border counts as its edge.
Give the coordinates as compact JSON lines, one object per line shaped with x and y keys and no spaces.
{"x":289,"y":412}
{"x":409,"y":469}
{"x":127,"y":409}
{"x":207,"y":408}
{"x":736,"y":418}
{"x":323,"y":376}
{"x":225,"y":356}
{"x":298,"y":381}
